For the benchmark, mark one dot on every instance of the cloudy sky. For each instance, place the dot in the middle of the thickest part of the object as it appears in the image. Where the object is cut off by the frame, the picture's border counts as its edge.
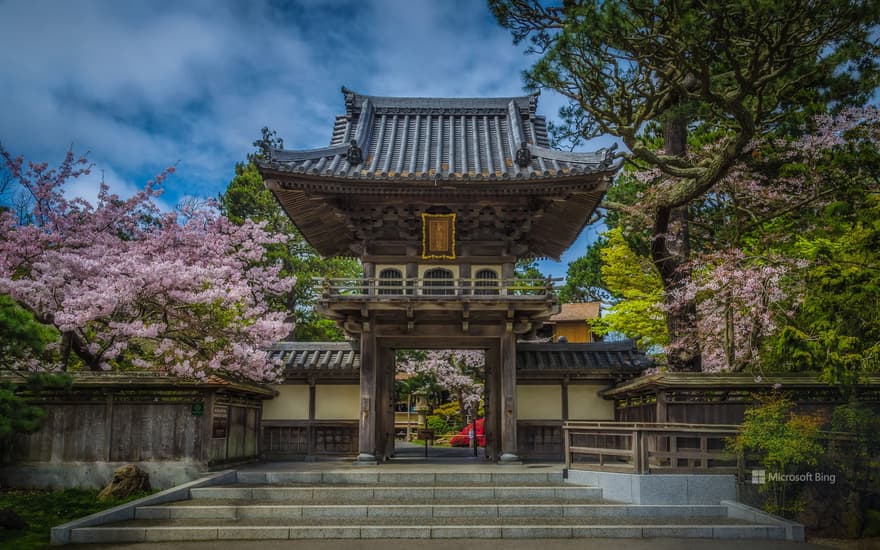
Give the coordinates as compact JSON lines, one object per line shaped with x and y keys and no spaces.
{"x":144,"y":85}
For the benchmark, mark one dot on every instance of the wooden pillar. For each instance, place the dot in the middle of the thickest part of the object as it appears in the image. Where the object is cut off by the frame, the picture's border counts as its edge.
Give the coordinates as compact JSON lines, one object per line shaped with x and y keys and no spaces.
{"x":311,"y":435}
{"x":385,"y":402}
{"x":370,"y":273}
{"x":412,"y":273}
{"x":492,"y":402}
{"x":108,"y":427}
{"x":508,"y":398}
{"x":565,"y":381}
{"x":464,"y":274}
{"x":661,"y":407}
{"x":368,"y":418}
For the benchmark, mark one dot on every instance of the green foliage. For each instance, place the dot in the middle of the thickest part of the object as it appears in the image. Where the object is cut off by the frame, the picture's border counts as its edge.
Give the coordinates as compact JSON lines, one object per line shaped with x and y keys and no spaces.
{"x":447,"y":416}
{"x":440,"y":424}
{"x":43,"y":510}
{"x":872,"y":524}
{"x":527,"y":268}
{"x":857,"y":456}
{"x":689,"y":87}
{"x":22,"y":336}
{"x":634,"y":279}
{"x":862,"y":423}
{"x":246,"y":197}
{"x":784,"y":442}
{"x":836,"y":328}
{"x":583,"y":280}
{"x":19,"y":417}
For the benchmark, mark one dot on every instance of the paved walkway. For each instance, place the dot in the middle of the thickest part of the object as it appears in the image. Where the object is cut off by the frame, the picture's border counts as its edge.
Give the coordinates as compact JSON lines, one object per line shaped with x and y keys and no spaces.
{"x":408,"y":457}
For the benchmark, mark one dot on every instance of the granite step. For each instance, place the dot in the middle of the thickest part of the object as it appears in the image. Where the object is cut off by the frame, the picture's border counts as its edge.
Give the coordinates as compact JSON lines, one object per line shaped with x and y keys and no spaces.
{"x":143,"y":533}
{"x":233,"y":510}
{"x":416,"y":505}
{"x":381,"y":493}
{"x":402,"y":478}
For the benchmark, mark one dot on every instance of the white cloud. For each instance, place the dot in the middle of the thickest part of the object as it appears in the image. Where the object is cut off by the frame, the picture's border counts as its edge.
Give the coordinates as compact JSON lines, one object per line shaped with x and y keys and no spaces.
{"x":147,"y":85}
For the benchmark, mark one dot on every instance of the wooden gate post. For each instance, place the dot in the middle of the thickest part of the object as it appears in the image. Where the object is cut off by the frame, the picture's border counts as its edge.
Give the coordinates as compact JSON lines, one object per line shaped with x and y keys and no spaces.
{"x":508,"y":398}
{"x":367,"y":416}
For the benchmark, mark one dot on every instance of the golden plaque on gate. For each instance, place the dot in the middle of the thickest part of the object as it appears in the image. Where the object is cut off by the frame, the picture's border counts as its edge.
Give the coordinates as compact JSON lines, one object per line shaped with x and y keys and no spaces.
{"x":438,"y":236}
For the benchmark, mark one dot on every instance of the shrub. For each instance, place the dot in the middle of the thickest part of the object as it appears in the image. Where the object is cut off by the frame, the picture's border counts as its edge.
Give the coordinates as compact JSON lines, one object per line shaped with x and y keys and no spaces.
{"x":784,"y":442}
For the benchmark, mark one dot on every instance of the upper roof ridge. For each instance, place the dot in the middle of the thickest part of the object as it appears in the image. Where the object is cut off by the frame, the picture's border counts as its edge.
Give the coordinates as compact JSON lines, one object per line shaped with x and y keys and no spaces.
{"x":527,"y":104}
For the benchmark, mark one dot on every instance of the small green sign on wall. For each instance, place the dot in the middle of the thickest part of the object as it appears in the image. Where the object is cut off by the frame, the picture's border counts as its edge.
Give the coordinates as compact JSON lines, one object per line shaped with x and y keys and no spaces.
{"x":198,"y":409}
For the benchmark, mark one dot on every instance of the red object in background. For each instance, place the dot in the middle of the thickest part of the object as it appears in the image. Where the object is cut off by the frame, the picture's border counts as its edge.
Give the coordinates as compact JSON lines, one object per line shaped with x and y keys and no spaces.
{"x":463,"y":438}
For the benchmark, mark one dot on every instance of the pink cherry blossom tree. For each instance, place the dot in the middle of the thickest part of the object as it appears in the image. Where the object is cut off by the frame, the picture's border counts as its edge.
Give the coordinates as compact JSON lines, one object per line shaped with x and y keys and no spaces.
{"x":456,"y":371}
{"x":131,"y":287}
{"x":748,"y":279}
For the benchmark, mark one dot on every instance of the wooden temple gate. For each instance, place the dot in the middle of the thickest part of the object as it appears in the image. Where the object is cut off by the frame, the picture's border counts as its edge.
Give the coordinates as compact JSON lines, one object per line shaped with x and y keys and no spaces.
{"x":438,"y":198}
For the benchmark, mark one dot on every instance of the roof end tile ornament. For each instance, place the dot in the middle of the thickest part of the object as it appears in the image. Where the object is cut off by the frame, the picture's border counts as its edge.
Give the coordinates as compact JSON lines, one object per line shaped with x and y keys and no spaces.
{"x":355,"y":154}
{"x":523,"y":155}
{"x":350,"y":97}
{"x":608,"y":157}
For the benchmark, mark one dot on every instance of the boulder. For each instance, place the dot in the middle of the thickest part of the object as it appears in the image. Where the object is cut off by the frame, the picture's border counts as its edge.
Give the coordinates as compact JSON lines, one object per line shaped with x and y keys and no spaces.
{"x":127,"y":480}
{"x":9,"y":519}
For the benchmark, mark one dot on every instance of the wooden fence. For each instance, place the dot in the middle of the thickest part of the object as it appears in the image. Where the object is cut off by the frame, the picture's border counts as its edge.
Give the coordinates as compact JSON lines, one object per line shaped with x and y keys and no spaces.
{"x":644,"y":448}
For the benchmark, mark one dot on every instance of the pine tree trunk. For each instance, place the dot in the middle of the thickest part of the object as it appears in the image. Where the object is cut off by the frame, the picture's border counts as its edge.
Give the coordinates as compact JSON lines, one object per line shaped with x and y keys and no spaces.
{"x":670,"y":251}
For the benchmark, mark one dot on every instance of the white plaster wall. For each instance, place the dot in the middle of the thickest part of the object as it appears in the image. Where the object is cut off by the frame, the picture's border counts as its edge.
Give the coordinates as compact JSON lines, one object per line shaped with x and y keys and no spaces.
{"x":584,"y":403}
{"x":538,"y":402}
{"x":292,"y":403}
{"x":337,"y":402}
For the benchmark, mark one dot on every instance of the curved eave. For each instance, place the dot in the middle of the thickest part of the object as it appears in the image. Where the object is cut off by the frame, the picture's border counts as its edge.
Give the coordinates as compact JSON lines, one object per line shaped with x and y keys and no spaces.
{"x":279,"y":178}
{"x":308,"y":201}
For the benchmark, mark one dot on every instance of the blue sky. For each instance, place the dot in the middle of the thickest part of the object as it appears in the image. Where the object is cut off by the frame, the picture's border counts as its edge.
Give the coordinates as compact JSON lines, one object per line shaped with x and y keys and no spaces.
{"x":144,"y":85}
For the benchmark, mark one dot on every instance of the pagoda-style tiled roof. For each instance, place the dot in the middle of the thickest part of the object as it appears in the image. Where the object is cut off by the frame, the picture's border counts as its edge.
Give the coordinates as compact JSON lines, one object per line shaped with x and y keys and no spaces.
{"x":433,"y":139}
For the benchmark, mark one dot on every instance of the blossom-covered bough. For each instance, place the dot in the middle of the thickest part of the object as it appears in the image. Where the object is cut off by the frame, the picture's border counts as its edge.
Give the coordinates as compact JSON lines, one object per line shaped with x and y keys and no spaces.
{"x":749,"y":279}
{"x":132,"y":287}
{"x":456,"y":371}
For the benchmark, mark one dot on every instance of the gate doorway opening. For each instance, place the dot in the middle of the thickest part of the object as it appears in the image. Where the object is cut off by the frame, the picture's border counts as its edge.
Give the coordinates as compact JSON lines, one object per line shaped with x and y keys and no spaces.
{"x":439,"y":405}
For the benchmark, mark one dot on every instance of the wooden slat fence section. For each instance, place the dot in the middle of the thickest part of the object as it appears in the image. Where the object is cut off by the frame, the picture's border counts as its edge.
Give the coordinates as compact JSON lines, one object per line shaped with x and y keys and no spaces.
{"x":644,"y":448}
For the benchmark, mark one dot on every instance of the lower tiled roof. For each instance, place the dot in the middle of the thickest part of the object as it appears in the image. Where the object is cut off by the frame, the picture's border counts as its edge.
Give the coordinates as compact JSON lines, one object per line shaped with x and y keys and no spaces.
{"x":300,"y":357}
{"x":317,"y":356}
{"x":618,"y":356}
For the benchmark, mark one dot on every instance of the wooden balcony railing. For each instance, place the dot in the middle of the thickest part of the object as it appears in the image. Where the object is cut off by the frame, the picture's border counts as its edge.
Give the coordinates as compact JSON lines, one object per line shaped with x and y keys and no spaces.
{"x":489,"y":289}
{"x":644,"y":448}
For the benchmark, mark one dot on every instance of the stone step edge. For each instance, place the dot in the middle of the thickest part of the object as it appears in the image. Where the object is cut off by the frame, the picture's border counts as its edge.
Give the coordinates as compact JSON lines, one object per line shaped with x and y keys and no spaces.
{"x":423,"y":511}
{"x":340,"y":476}
{"x":248,"y":492}
{"x":168,"y":534}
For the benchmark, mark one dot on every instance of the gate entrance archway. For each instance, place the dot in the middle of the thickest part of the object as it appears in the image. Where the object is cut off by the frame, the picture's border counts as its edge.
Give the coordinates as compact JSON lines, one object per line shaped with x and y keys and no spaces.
{"x":439,"y":198}
{"x":440,"y":390}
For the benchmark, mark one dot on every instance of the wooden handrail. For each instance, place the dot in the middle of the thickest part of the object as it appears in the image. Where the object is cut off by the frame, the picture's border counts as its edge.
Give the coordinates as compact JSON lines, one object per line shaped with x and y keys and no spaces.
{"x":421,"y":286}
{"x":643,"y":447}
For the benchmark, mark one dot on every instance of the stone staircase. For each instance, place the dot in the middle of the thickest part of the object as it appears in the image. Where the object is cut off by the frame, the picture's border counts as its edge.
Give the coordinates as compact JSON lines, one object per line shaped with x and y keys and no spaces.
{"x":383,"y":504}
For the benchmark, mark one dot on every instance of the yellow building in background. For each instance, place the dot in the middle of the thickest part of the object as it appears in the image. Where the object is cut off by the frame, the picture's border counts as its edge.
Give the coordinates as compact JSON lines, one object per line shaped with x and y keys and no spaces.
{"x":571,"y":322}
